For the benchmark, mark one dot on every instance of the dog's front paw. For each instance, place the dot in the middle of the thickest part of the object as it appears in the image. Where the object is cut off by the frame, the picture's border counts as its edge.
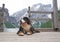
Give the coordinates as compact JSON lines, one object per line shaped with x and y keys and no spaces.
{"x":21,"y":34}
{"x":29,"y":33}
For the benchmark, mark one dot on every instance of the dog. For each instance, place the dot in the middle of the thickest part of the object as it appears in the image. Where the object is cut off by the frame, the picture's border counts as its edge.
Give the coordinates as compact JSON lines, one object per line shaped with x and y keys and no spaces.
{"x":26,"y":27}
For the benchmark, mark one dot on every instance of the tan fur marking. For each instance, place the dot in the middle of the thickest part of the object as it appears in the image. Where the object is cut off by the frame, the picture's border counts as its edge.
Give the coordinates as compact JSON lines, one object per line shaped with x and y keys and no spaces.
{"x":26,"y":26}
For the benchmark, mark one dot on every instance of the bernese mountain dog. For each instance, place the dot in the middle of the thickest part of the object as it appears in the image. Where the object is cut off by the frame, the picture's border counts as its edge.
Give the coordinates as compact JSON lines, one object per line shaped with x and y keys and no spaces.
{"x":26,"y":27}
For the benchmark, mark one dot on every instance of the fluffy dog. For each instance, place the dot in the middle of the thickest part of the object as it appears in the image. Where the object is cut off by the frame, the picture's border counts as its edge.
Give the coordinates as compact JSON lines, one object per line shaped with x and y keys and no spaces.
{"x":26,"y":27}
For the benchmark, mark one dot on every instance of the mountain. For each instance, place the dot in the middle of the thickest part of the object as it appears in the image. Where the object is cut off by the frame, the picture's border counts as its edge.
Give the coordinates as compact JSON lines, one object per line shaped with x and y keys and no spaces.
{"x":20,"y":13}
{"x":36,"y":7}
{"x":9,"y":21}
{"x":6,"y":14}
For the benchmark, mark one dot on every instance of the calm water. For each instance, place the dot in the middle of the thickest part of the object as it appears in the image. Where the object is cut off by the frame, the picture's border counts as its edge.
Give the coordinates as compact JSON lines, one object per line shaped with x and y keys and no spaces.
{"x":11,"y":29}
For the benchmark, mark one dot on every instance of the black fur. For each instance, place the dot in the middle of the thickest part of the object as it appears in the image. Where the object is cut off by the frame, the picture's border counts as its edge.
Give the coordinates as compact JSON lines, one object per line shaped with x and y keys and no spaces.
{"x":29,"y":23}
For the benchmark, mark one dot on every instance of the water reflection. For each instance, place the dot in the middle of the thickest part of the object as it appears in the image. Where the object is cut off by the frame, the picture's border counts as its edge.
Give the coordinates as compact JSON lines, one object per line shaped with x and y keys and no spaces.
{"x":11,"y":29}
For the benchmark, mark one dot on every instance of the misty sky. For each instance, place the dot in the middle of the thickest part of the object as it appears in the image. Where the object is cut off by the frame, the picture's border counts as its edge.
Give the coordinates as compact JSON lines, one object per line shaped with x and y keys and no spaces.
{"x":16,"y":5}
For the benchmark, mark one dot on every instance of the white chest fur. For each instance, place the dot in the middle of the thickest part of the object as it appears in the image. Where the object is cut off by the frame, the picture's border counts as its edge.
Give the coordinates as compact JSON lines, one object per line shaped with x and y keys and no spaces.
{"x":26,"y":26}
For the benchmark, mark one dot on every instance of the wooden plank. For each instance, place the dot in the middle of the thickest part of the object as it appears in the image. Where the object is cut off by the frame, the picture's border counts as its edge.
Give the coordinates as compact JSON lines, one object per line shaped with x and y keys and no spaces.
{"x":40,"y":19}
{"x":37,"y":37}
{"x":55,"y":9}
{"x":2,"y":19}
{"x":46,"y":12}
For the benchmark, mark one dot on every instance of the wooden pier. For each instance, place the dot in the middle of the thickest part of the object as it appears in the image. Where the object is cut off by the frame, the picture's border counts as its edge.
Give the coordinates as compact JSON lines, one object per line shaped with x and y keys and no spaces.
{"x":37,"y":37}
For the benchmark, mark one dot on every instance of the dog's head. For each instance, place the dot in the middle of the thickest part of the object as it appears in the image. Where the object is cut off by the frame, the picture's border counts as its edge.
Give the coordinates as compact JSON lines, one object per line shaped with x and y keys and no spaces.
{"x":25,"y":20}
{"x":25,"y":23}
